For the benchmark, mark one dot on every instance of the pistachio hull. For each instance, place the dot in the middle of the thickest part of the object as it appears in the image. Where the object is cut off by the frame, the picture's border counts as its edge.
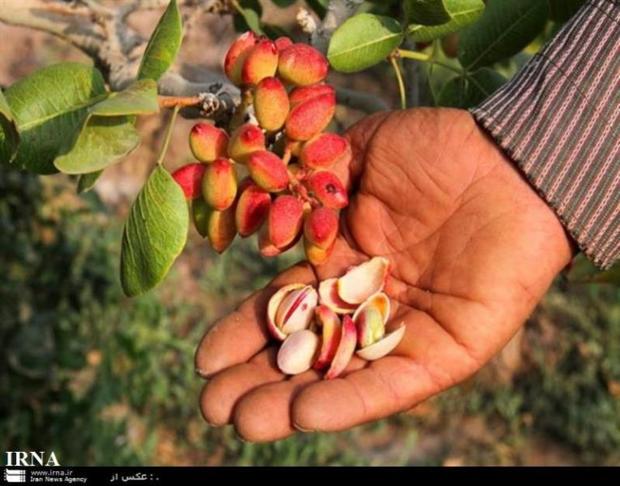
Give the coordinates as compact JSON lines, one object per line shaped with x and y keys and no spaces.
{"x":297,"y":352}
{"x":345,"y":350}
{"x":384,"y":346}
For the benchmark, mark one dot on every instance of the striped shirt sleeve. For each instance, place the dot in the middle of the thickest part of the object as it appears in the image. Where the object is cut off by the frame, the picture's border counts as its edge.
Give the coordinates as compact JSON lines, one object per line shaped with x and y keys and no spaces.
{"x":558,"y":119}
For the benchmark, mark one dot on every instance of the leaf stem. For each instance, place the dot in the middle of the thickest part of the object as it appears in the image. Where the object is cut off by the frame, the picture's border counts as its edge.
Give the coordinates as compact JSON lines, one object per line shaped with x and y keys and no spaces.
{"x":235,"y":4}
{"x":401,"y":81}
{"x":416,"y":56}
{"x":419,"y":56}
{"x":168,"y":136}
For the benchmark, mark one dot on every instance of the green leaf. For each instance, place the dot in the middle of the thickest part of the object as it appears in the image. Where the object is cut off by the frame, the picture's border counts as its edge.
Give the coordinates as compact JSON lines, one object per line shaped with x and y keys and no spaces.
{"x":503,"y":30}
{"x":363,"y":41}
{"x":87,"y":181}
{"x":140,"y":98}
{"x":426,"y":12}
{"x":154,"y":234}
{"x":164,"y":44}
{"x":469,"y":90}
{"x":49,"y":107}
{"x":562,"y":10}
{"x":463,"y":13}
{"x":248,"y":17}
{"x":102,"y":141}
{"x":9,"y":131}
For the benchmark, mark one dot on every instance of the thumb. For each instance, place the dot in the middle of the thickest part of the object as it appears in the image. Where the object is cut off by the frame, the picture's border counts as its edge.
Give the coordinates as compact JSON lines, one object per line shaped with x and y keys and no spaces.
{"x":358,"y":135}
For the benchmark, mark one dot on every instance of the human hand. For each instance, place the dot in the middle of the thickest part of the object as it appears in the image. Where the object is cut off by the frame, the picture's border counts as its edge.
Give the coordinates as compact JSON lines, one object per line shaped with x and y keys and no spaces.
{"x":472,"y":248}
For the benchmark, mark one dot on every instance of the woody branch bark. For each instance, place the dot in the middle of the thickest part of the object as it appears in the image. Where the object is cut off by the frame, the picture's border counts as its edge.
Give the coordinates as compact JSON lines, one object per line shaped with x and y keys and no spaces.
{"x":101,"y":31}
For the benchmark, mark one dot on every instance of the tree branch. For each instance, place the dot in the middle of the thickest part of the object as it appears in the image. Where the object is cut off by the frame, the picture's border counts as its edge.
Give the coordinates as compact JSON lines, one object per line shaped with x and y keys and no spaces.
{"x":71,"y":22}
{"x":102,"y":33}
{"x":337,"y":12}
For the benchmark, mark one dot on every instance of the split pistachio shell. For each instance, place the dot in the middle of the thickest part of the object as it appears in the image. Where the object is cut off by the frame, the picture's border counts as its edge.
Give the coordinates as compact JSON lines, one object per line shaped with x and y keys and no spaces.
{"x":370,"y":319}
{"x":370,"y":327}
{"x":272,"y":309}
{"x":364,"y":280}
{"x":379,"y":301}
{"x":384,"y":346}
{"x":328,"y":296}
{"x":331,"y":328}
{"x":297,"y":310}
{"x":345,"y":349}
{"x":297,"y":352}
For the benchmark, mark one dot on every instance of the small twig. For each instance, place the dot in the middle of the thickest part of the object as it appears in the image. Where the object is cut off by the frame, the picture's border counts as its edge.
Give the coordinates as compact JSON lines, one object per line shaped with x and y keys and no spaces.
{"x":242,"y":110}
{"x":180,"y":101}
{"x":286,"y":156}
{"x":168,"y":136}
{"x":420,"y":56}
{"x":400,"y":80}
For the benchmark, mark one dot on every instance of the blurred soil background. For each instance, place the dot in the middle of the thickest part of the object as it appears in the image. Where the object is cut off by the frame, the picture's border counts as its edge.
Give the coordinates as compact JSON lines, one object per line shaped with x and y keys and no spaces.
{"x":105,"y":380}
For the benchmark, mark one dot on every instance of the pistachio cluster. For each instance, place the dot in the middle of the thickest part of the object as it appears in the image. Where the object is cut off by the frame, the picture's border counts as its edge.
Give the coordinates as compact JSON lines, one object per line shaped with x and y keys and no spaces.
{"x":289,"y":190}
{"x":313,"y":334}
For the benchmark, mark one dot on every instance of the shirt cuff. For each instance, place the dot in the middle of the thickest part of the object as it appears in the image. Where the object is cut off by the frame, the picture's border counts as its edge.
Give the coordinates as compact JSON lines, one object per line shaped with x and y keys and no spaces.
{"x":558,"y":119}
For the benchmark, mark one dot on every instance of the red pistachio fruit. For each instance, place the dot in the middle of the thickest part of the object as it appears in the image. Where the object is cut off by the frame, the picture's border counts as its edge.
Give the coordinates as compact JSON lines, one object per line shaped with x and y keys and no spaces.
{"x":328,"y":189}
{"x":284,"y":220}
{"x":252,"y":208}
{"x":245,"y":140}
{"x":261,"y":62}
{"x":310,"y":117}
{"x":306,"y":93}
{"x":321,"y":227}
{"x":271,"y":104}
{"x":207,"y":142}
{"x":325,"y":150}
{"x":268,"y":171}
{"x":219,"y":184}
{"x":189,"y":177}
{"x":236,"y":55}
{"x":302,"y":65}
{"x":221,"y":229}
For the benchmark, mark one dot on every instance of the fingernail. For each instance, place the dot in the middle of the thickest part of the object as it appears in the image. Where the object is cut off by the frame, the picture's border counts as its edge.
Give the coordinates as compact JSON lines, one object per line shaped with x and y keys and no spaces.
{"x":202,"y":373}
{"x":302,"y":429}
{"x":241,"y":439}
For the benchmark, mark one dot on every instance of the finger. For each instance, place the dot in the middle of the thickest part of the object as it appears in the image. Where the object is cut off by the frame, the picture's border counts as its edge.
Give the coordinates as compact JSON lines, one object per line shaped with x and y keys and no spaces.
{"x":425,"y":362}
{"x":385,"y":387}
{"x":264,"y":414}
{"x":243,"y":333}
{"x":220,"y":395}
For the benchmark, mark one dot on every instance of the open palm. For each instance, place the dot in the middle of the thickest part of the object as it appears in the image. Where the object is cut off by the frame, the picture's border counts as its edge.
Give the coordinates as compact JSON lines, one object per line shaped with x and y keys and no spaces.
{"x":472,"y":250}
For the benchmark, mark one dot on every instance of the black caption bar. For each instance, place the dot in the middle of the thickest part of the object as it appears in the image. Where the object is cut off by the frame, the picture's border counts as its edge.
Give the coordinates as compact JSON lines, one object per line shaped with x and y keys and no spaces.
{"x":211,"y":475}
